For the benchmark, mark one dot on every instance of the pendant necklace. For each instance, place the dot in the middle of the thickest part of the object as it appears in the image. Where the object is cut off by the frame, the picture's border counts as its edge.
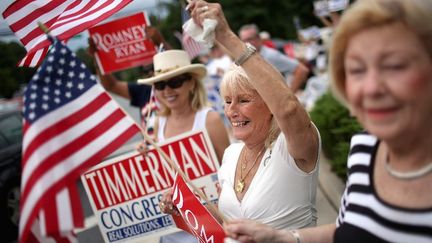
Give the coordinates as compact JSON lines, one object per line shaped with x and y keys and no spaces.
{"x":240,"y":185}
{"x":407,"y":175}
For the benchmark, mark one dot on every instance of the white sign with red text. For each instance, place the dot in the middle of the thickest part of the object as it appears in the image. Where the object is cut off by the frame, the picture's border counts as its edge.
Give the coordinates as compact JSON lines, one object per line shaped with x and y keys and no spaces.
{"x":125,"y":191}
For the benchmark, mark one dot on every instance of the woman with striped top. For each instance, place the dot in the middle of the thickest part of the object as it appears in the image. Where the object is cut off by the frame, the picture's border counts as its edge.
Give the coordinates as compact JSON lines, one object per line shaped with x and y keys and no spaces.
{"x":381,"y":63}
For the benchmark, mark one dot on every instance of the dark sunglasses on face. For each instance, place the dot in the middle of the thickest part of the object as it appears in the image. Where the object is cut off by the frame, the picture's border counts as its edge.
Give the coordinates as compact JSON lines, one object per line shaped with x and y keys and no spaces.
{"x":173,"y":83}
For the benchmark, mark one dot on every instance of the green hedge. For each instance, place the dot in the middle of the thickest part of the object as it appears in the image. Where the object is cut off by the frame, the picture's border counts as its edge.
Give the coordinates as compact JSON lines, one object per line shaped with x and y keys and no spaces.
{"x":336,"y":127}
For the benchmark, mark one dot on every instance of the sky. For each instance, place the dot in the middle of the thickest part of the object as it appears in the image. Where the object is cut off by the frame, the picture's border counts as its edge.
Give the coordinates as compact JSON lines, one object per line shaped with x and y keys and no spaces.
{"x":81,"y":41}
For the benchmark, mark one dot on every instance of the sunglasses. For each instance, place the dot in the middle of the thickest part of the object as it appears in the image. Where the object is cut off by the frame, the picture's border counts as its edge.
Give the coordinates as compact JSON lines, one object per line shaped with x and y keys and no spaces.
{"x":173,"y":83}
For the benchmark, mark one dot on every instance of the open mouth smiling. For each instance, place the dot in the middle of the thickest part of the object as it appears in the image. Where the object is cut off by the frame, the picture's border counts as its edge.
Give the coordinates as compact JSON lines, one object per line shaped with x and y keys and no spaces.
{"x":239,"y":124}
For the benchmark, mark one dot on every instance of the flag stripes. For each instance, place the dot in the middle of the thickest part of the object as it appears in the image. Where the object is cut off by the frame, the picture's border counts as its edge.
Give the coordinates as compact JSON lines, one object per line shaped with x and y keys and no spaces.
{"x":192,"y":47}
{"x":63,"y":18}
{"x":70,"y":124}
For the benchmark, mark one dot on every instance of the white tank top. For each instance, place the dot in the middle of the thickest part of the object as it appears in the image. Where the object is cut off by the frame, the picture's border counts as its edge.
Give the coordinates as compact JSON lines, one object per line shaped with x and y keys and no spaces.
{"x":199,"y":122}
{"x":280,"y":195}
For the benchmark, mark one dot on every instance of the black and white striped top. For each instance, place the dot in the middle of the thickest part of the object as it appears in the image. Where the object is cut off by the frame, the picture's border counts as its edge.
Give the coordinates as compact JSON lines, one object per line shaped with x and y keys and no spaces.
{"x":363,"y":216}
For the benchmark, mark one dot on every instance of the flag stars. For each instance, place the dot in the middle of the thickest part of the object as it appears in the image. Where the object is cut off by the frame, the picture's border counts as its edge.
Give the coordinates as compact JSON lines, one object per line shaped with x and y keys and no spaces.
{"x":45,"y":106}
{"x":62,"y":61}
{"x":60,"y":71}
{"x":47,"y":79}
{"x":33,"y":87}
{"x":63,"y":51}
{"x":58,"y":82}
{"x":68,"y":94}
{"x":33,"y":96}
{"x":50,"y":59}
{"x":92,"y":77}
{"x":45,"y":97}
{"x":72,"y":64}
{"x":32,"y":105}
{"x":69,"y":84}
{"x":32,"y":115}
{"x":57,"y":92}
{"x":82,"y":66}
{"x":36,"y":77}
{"x":82,"y":75}
{"x":71,"y":74}
{"x":46,"y":89}
{"x":57,"y":100}
{"x":49,"y":69}
{"x":80,"y":86}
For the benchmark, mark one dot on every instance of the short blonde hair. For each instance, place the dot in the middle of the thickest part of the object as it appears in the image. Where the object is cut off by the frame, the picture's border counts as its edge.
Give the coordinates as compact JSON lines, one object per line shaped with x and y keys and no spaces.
{"x":236,"y":80}
{"x":416,"y":15}
{"x":198,"y":97}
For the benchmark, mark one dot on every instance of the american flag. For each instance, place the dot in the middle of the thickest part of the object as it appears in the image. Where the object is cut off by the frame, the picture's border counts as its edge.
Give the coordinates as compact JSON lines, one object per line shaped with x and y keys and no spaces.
{"x":148,"y":115}
{"x":192,"y":47}
{"x":70,"y":124}
{"x":64,"y":18}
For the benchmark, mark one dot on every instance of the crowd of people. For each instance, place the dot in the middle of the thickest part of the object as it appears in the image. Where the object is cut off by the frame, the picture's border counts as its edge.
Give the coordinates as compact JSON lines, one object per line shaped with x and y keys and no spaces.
{"x":381,"y":69}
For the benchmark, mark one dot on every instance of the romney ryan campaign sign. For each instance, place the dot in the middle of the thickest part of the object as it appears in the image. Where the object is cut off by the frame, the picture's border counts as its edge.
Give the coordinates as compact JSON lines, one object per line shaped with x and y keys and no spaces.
{"x":125,"y":191}
{"x":122,"y":43}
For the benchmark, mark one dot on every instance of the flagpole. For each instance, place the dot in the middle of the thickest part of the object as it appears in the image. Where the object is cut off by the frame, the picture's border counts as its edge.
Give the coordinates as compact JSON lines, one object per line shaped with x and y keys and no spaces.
{"x":43,"y":27}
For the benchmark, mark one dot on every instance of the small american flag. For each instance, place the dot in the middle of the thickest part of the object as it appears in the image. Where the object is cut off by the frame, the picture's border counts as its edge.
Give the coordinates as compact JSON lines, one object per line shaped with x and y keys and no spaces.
{"x":192,"y":47}
{"x":70,"y":124}
{"x":149,"y":114}
{"x":64,"y":18}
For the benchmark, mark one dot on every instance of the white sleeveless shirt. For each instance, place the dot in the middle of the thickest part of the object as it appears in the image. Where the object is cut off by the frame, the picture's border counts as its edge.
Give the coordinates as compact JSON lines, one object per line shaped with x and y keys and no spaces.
{"x":199,"y":122}
{"x":280,"y":195}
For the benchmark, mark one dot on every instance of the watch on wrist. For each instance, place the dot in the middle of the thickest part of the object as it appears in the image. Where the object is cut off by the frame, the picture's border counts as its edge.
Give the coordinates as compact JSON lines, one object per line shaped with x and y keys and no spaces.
{"x":250,"y":50}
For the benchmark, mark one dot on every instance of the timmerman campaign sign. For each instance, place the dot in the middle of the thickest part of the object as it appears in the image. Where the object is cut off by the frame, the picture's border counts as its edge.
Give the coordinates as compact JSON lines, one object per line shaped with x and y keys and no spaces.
{"x":122,"y":43}
{"x":125,"y":191}
{"x":194,"y":217}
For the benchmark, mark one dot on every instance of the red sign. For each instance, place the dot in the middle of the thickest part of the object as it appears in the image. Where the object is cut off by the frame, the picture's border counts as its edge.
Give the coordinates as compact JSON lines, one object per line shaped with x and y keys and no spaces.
{"x":125,"y":191}
{"x":122,"y":43}
{"x":197,"y":219}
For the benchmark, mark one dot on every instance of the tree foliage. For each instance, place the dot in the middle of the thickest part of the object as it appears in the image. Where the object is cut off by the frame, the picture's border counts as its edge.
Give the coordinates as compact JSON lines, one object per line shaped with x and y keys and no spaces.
{"x":336,"y":127}
{"x":274,"y":16}
{"x":12,"y":77}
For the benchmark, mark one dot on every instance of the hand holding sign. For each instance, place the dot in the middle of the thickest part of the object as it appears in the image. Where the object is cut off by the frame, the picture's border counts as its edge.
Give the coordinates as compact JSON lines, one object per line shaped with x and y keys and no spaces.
{"x":122,"y":43}
{"x":166,"y":204}
{"x":194,"y":217}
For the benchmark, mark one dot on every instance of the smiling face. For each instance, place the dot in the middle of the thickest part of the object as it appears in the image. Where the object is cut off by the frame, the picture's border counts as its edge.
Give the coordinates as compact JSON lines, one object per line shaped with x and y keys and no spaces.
{"x":389,"y":81}
{"x":176,"y":98}
{"x":249,"y":116}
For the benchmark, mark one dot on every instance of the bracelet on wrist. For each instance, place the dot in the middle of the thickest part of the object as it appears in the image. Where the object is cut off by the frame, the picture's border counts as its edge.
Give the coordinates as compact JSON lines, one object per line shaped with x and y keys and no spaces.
{"x":250,"y":50}
{"x":295,"y":234}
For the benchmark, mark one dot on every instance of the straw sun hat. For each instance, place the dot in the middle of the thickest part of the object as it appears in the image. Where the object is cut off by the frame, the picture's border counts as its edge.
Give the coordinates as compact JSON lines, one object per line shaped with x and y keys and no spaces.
{"x":171,"y":63}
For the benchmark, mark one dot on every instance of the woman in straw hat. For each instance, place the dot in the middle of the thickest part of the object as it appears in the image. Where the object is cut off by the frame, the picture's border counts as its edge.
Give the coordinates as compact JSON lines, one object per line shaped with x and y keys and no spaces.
{"x":381,"y":63}
{"x":184,"y":107}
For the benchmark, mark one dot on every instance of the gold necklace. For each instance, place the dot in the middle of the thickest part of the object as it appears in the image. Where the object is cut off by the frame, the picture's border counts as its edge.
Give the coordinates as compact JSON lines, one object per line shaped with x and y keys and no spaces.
{"x":240,"y":186}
